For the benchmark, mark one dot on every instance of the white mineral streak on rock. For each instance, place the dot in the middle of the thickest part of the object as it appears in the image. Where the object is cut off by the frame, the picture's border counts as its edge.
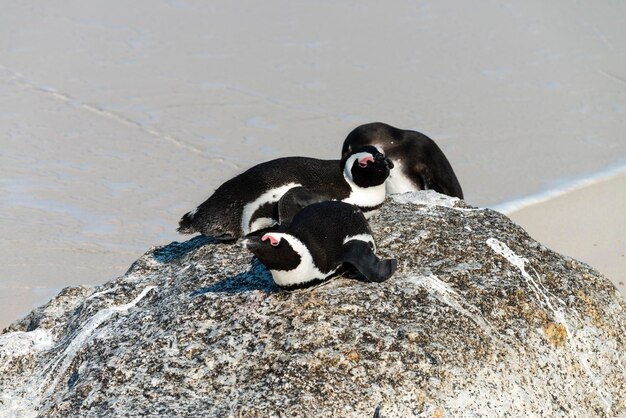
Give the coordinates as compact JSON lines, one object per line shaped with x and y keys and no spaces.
{"x":83,"y":335}
{"x":26,"y":399}
{"x":98,"y":294}
{"x":15,"y":344}
{"x":446,"y":294}
{"x":580,"y":341}
{"x":502,"y":249}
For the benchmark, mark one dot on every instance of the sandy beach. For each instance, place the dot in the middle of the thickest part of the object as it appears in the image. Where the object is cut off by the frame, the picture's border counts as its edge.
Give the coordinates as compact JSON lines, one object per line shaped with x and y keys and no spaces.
{"x":116,"y":119}
{"x":588,"y":224}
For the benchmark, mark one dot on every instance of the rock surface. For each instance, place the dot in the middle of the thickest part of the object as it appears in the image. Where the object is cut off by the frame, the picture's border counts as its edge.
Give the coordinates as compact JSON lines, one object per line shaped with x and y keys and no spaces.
{"x":479,"y":320}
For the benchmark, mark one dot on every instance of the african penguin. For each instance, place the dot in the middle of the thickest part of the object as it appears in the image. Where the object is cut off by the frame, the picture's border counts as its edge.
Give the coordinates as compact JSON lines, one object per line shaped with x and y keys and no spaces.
{"x":320,"y":239}
{"x":247,"y":202}
{"x":419,"y":162}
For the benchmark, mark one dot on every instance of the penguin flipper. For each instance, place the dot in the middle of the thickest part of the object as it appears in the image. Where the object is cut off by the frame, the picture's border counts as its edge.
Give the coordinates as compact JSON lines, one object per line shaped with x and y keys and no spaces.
{"x":438,"y":178}
{"x":360,"y":255}
{"x":431,"y":184}
{"x":294,"y":200}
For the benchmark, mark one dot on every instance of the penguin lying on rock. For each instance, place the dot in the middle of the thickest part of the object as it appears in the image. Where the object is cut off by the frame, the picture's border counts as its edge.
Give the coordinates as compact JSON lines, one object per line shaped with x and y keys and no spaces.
{"x":315,"y":245}
{"x":247,"y":202}
{"x":420,"y":163}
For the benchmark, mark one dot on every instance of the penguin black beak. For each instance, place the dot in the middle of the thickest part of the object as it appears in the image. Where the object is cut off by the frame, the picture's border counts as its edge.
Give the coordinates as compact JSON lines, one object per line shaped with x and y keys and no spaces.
{"x":380,"y":158}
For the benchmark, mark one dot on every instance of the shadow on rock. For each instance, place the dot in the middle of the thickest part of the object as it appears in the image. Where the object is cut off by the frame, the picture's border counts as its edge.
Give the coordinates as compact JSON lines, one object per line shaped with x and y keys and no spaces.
{"x":257,"y":278}
{"x":175,"y":250}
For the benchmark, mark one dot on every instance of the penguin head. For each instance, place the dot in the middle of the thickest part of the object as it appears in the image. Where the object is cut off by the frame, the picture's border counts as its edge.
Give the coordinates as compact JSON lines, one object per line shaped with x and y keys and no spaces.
{"x":376,"y":133}
{"x":366,"y":166}
{"x":273,"y":250}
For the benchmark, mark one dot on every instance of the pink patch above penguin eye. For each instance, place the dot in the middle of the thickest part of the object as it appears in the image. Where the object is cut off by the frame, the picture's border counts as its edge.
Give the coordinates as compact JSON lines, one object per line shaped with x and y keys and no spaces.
{"x":273,"y":241}
{"x":363,"y":161}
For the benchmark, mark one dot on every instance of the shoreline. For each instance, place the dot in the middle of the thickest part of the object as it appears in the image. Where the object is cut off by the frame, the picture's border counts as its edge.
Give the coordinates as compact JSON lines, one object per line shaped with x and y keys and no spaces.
{"x":566,"y":186}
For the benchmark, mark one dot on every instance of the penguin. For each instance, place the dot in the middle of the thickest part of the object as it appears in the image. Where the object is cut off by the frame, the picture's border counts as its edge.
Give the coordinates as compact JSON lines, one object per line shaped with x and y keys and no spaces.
{"x":316,"y":244}
{"x":420,"y":163}
{"x":247,"y":202}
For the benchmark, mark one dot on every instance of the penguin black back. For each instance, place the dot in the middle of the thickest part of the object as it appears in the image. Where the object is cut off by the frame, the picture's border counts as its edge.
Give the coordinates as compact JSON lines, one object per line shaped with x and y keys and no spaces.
{"x":315,"y":245}
{"x":323,"y":228}
{"x":420,"y":163}
{"x":247,"y":202}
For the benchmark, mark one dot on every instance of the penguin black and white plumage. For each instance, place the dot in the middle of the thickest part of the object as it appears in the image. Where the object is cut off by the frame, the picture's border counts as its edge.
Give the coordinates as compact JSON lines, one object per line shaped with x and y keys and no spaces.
{"x":419,"y":162}
{"x":316,"y":244}
{"x":247,"y":202}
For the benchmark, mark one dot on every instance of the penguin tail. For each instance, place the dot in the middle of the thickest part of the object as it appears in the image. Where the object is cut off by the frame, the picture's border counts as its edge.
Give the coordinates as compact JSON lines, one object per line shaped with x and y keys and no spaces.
{"x":185,"y":225}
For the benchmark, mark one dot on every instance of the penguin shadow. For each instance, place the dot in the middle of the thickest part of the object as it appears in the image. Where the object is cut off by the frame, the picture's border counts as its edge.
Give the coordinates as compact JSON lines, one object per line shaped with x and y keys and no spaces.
{"x":257,"y":277}
{"x":176,"y":250}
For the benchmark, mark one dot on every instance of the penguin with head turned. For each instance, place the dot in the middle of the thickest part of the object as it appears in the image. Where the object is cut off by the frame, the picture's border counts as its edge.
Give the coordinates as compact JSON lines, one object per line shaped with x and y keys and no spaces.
{"x":317,"y":243}
{"x":248,"y":202}
{"x":419,"y":162}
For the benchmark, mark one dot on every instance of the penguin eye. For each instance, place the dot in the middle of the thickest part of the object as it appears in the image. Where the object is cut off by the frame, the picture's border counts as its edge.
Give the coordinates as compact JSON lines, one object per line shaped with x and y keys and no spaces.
{"x":363,"y":161}
{"x":273,"y":240}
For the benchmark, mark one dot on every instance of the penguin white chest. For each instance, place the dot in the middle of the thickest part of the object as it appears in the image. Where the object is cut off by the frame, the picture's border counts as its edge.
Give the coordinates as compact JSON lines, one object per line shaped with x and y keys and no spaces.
{"x":366,"y":197}
{"x":306,"y":271}
{"x":399,"y":182}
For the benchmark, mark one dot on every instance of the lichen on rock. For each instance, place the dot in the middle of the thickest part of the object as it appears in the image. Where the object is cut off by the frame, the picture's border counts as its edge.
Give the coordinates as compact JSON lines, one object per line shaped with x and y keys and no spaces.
{"x":479,"y":320}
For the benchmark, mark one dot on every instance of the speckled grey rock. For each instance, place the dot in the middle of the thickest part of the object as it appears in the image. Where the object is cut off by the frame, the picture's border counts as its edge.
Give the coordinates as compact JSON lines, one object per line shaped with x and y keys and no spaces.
{"x":479,"y":320}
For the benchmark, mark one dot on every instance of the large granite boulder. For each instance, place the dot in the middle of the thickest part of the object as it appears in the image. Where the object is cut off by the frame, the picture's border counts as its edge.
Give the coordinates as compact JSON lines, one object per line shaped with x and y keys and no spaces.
{"x":479,"y":320}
